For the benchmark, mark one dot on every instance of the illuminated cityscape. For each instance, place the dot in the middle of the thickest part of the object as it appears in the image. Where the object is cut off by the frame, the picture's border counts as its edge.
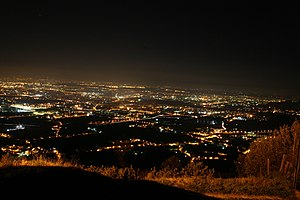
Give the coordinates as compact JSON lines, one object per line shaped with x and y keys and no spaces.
{"x":100,"y":123}
{"x":120,"y":99}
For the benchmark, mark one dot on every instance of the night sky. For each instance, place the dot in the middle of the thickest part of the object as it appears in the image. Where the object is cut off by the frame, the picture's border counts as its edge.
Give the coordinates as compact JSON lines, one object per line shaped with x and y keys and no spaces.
{"x":222,"y":45}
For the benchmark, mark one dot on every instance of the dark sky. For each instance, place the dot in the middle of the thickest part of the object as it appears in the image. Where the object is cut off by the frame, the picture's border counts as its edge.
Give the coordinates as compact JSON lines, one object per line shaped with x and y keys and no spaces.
{"x":230,"y":45}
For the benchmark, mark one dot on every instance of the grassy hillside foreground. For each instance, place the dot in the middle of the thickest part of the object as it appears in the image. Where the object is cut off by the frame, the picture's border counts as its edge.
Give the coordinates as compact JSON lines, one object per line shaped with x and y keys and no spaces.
{"x":41,"y":177}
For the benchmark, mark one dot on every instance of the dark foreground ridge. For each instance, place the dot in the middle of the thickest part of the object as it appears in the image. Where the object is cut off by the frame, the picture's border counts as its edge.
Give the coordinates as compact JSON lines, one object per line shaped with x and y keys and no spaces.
{"x":62,"y":182}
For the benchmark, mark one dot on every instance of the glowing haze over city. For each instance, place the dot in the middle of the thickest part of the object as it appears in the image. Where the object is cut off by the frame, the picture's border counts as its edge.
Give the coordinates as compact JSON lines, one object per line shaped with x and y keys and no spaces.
{"x":221,"y":46}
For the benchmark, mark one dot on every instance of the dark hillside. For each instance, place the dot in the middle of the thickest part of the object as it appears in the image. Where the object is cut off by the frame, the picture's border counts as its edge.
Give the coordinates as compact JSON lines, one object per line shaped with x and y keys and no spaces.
{"x":66,"y":182}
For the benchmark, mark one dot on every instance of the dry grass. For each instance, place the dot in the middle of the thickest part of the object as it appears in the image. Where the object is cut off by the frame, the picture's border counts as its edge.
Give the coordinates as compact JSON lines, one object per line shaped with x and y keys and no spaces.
{"x":117,"y":173}
{"x":9,"y":160}
{"x":244,"y":197}
{"x":234,"y":188}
